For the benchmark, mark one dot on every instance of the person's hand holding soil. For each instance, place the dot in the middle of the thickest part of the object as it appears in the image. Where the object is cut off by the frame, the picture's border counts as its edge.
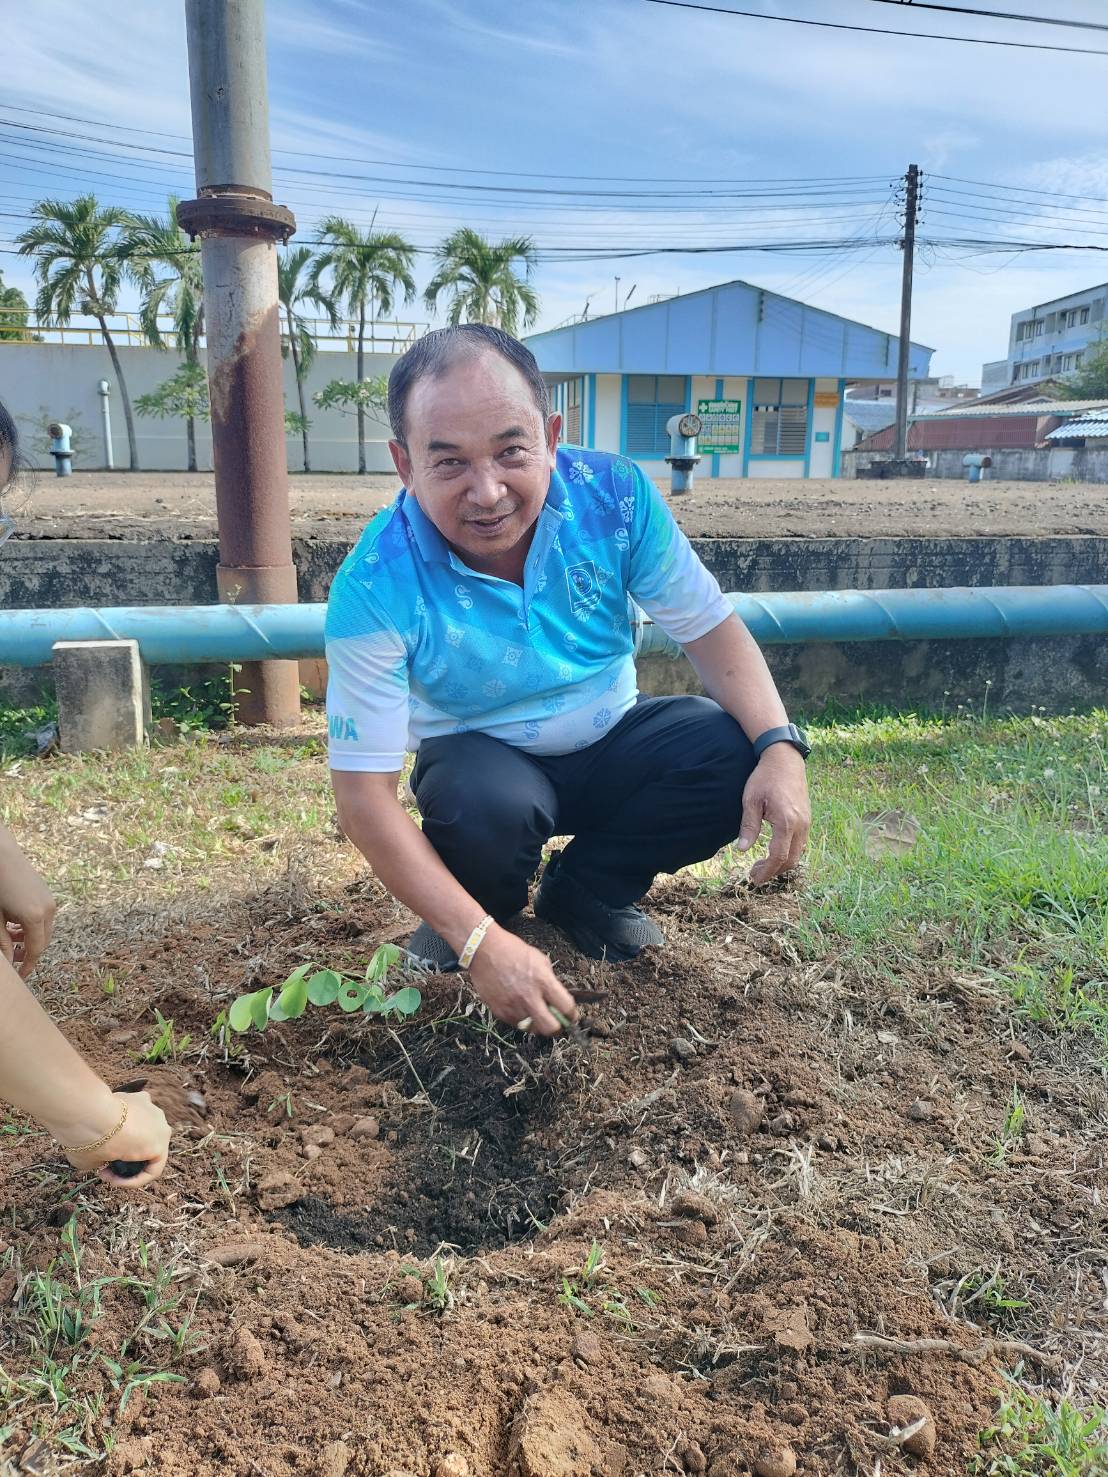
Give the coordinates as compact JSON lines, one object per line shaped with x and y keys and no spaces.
{"x":143,"y":1137}
{"x":518,"y":984}
{"x":27,"y":908}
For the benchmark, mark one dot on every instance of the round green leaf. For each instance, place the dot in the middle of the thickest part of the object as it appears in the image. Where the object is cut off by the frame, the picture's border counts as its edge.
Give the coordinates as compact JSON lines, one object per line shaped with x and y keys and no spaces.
{"x":293,"y":999}
{"x":405,"y":1002}
{"x":259,"y":1007}
{"x":351,"y":996}
{"x":240,"y":1017}
{"x":324,"y":987}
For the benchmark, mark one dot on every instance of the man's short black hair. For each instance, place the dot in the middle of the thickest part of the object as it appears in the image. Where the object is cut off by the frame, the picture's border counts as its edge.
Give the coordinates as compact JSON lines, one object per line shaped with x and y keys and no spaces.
{"x":436,"y":351}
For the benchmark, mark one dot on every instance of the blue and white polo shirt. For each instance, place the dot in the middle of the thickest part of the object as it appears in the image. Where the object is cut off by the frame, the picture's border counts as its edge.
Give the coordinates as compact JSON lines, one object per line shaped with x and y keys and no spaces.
{"x":419,"y":645}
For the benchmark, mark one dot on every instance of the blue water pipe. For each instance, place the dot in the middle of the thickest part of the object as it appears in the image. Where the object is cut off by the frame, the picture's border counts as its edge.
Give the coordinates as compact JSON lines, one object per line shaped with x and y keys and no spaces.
{"x":250,"y":633}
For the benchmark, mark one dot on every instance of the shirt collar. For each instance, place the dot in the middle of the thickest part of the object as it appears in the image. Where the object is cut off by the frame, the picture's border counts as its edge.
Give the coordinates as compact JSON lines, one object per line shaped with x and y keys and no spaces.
{"x":429,"y":541}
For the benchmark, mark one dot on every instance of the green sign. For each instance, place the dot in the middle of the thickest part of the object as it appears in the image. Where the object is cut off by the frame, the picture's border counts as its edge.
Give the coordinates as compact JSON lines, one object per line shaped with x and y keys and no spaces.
{"x":722,"y":425}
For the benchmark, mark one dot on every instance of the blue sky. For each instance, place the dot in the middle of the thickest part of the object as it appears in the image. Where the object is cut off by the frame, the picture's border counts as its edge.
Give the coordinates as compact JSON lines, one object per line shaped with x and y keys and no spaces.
{"x":618,"y":88}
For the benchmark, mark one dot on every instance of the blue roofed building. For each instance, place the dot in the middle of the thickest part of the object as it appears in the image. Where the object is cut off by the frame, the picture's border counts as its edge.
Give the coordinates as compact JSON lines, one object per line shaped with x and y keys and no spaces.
{"x":767,"y":373}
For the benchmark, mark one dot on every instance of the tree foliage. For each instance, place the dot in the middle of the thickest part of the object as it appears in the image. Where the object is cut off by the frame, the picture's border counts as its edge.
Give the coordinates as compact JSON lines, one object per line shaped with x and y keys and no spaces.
{"x":1090,"y":382}
{"x":184,"y":395}
{"x":483,"y":279}
{"x":81,"y":262}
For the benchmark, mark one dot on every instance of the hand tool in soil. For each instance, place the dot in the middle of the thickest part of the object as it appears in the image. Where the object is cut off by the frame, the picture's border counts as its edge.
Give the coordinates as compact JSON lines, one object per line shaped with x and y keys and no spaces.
{"x":179,"y":1104}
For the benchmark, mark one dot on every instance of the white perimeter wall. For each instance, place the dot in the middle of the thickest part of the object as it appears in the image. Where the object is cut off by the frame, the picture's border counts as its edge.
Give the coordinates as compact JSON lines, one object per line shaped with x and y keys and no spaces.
{"x":58,"y":381}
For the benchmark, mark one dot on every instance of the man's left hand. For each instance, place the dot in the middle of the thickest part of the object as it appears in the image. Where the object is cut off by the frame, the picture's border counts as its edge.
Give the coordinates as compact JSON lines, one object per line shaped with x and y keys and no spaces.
{"x":777,"y":793}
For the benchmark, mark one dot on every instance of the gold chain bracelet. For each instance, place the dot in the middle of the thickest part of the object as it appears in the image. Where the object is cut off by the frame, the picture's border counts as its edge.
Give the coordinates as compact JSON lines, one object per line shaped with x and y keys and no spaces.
{"x":88,"y":1148}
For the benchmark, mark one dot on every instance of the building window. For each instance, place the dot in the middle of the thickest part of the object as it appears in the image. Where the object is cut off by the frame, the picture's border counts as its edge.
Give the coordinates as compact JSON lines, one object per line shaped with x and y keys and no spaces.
{"x":1038,"y":328}
{"x":780,"y":417}
{"x":1078,"y":360}
{"x":651,"y":400}
{"x":575,"y":396}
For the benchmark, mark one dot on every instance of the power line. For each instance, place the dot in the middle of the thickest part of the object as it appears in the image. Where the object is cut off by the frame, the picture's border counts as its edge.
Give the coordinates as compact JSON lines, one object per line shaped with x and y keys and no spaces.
{"x":1026,"y":189}
{"x":793,"y":20}
{"x":1001,"y":15}
{"x":445,"y":169}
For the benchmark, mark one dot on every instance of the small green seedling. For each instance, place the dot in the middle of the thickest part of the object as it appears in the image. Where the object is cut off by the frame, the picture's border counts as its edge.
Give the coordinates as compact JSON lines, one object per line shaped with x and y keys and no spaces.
{"x":323,"y":987}
{"x":108,"y":984}
{"x":1012,"y":1129}
{"x":166,"y":1045}
{"x":285,"y":1103}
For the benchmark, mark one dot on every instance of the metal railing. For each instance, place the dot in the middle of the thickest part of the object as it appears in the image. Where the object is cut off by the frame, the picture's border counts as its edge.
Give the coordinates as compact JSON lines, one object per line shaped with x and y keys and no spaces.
{"x":385,"y":336}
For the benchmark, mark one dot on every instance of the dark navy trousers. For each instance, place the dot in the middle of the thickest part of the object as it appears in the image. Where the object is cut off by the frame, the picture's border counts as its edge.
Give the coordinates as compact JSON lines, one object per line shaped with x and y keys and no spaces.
{"x":661,"y":789}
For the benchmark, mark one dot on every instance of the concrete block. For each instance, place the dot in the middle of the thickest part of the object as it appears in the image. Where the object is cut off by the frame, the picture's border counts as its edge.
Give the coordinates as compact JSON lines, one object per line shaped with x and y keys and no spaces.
{"x":103,"y":695}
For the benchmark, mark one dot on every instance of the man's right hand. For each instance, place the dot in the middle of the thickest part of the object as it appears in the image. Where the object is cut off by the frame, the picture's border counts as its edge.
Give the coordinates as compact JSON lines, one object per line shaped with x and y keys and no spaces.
{"x":518,"y":984}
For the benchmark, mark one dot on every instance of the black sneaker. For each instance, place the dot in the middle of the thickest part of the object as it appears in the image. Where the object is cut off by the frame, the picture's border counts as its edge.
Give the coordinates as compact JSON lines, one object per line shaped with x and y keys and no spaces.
{"x":431,"y":950}
{"x":600,"y":932}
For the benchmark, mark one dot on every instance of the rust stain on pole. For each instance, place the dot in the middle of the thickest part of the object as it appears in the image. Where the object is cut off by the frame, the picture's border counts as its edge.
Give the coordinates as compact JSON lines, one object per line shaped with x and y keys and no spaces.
{"x":239,"y":227}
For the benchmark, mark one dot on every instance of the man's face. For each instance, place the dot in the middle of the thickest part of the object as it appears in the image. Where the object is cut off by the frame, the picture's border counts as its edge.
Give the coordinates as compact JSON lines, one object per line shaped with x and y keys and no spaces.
{"x":478,"y":458}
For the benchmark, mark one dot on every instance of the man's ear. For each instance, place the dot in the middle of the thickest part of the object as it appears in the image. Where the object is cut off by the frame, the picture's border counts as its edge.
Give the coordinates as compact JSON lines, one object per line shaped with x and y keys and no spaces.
{"x":553,"y":433}
{"x":402,"y":461}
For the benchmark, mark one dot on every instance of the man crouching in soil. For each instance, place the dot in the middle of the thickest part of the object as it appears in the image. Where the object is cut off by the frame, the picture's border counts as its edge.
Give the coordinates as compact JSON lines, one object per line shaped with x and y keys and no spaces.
{"x":482,"y":621}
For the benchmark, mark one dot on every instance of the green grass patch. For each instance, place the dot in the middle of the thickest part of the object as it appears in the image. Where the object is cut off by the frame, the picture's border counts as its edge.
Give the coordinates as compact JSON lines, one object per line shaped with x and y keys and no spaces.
{"x":1008,"y":873}
{"x":1032,"y":1438}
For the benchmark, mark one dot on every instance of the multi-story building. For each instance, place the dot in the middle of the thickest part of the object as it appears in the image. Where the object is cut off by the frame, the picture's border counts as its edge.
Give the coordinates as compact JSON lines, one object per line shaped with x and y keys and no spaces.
{"x":1051,"y":339}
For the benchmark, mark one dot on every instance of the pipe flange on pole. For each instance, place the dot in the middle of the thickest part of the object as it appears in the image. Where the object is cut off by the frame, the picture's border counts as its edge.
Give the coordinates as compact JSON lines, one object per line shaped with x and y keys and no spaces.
{"x":236,"y":210}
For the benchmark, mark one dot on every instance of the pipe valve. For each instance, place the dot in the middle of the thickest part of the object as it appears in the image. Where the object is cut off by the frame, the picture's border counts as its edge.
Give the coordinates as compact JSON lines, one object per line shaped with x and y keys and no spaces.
{"x":683,"y":456}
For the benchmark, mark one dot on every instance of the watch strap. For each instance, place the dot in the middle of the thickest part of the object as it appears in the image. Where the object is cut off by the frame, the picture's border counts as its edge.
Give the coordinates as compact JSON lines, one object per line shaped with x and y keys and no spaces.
{"x":788,"y":733}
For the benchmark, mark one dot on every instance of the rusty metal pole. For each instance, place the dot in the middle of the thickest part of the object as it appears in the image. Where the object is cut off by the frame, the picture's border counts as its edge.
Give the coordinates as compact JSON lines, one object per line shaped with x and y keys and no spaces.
{"x":239,"y":228}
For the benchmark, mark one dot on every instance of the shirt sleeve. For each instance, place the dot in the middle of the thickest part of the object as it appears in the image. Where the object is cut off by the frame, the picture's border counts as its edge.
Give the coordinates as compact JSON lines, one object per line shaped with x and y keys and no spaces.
{"x":367,"y":684}
{"x":667,"y":578}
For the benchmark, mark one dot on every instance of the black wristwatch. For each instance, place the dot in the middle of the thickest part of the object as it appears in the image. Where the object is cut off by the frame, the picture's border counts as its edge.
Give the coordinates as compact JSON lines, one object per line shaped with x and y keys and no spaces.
{"x":788,"y":734}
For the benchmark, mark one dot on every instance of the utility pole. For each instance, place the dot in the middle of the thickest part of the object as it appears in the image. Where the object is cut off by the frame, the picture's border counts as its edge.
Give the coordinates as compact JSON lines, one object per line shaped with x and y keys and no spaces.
{"x":908,"y":245}
{"x":617,"y":294}
{"x":239,"y":228}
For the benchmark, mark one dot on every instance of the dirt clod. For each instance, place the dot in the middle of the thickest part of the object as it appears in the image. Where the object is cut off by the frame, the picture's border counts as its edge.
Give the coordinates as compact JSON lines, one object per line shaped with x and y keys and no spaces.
{"x":206,"y":1384}
{"x":320,"y":1134}
{"x":696,"y":1207}
{"x":692,"y":1457}
{"x":244,"y":1356}
{"x":334,"y":1459}
{"x":235,"y":1253}
{"x":746,"y":1112}
{"x":549,"y":1438}
{"x":278,"y":1190}
{"x":775,"y":1461}
{"x":905,"y":1411}
{"x":366,"y":1128}
{"x":588,"y":1348}
{"x":921,"y":1111}
{"x":682,"y":1050}
{"x":453,"y":1464}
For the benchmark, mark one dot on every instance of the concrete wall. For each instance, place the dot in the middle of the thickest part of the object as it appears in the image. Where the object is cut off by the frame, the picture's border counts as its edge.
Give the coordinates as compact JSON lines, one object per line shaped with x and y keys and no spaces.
{"x":43,"y":381}
{"x":1058,"y":673}
{"x":1014,"y":464}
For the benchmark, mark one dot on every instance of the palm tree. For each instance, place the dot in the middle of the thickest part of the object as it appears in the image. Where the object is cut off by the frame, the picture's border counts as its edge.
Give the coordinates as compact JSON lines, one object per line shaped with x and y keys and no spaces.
{"x":154,"y":242}
{"x":486,"y":287}
{"x":367,"y":270}
{"x":297,"y":289}
{"x":80,"y":265}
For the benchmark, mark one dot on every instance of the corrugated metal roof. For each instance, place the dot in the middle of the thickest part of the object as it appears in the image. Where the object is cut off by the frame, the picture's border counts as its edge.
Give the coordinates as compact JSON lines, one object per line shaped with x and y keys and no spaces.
{"x":1088,"y":425}
{"x":732,"y":329}
{"x":869,"y":415}
{"x":1027,"y":407}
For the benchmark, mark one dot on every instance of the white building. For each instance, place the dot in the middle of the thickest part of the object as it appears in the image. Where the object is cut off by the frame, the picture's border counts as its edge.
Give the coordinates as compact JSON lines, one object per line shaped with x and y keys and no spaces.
{"x":767,"y":373}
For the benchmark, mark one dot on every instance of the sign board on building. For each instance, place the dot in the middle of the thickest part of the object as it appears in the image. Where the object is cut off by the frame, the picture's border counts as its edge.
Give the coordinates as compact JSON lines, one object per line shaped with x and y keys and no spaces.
{"x":826,"y":399}
{"x":721,"y":425}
